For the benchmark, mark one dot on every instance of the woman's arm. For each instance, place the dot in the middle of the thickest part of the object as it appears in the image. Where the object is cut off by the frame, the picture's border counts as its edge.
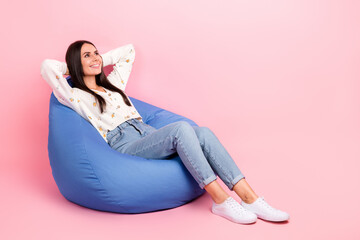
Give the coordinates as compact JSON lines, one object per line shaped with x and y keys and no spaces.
{"x":52,"y":71}
{"x":123,"y":57}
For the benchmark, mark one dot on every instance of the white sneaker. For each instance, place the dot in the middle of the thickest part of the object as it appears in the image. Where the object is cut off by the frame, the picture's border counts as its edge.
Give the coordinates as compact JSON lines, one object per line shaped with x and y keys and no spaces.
{"x":264,"y":211}
{"x":233,"y":211}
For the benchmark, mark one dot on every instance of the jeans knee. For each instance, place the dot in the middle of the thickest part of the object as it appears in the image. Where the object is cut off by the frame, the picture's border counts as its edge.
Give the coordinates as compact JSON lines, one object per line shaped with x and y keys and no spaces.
{"x":182,"y":124}
{"x":203,"y":133}
{"x":183,"y":127}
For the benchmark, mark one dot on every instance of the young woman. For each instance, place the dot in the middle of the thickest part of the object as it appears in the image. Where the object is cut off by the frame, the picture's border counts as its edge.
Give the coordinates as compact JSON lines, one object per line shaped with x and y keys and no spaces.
{"x":101,"y":100}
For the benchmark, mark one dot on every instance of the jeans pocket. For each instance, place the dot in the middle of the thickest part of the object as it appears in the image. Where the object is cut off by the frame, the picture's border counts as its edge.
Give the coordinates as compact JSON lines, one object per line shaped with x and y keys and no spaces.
{"x":116,"y":137}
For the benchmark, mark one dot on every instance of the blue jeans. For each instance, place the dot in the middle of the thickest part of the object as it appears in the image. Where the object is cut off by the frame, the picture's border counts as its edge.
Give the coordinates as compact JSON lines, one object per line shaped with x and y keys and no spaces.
{"x":198,"y":148}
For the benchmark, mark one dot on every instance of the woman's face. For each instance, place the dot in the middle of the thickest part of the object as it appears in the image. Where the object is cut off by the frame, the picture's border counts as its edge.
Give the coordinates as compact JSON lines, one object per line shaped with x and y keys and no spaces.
{"x":90,"y":59}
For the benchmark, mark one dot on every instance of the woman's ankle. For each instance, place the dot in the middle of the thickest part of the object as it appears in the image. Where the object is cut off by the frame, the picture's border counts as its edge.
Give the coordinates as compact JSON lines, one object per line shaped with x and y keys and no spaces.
{"x":245,"y":192}
{"x":220,"y":200}
{"x":249,"y":200}
{"x":216,"y":192}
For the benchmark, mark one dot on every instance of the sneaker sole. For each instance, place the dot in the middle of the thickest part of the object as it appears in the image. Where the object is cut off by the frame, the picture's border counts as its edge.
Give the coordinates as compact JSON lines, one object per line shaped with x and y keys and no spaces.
{"x":272,"y":220}
{"x":232,"y":220}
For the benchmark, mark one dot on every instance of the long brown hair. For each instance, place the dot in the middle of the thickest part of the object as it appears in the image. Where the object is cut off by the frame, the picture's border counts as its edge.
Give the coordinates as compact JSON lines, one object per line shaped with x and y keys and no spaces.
{"x":73,"y":62}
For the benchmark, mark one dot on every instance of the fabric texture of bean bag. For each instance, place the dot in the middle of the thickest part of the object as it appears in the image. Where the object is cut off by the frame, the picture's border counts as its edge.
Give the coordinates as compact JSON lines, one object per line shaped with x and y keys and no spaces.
{"x":90,"y":173}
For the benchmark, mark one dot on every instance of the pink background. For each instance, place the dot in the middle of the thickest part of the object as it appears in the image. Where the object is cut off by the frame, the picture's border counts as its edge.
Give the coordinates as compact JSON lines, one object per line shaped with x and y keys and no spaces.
{"x":276,"y":81}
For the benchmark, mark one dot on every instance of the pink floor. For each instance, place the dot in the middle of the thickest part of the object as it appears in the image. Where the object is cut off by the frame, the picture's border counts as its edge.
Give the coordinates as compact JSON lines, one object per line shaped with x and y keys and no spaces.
{"x":314,"y":178}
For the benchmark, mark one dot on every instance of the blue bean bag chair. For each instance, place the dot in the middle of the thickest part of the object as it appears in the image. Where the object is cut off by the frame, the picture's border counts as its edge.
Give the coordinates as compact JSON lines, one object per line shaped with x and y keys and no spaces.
{"x":90,"y":173}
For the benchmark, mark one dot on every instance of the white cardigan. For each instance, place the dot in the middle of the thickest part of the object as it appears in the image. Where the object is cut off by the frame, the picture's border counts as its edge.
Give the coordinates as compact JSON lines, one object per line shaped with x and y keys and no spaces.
{"x":84,"y":103}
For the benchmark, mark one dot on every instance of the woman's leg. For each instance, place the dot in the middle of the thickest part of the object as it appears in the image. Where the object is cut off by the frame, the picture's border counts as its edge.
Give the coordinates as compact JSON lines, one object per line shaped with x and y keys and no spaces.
{"x":192,"y":144}
{"x":178,"y":137}
{"x":222,"y":163}
{"x":156,"y":145}
{"x":227,"y":170}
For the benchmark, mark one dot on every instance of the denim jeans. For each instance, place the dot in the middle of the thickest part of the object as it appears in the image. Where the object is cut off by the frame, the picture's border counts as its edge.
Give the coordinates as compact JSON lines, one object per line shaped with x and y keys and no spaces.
{"x":198,"y":148}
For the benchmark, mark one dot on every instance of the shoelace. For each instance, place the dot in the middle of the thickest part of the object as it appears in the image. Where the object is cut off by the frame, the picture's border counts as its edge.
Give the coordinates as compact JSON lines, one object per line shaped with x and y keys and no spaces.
{"x":236,"y":206}
{"x":264,"y":203}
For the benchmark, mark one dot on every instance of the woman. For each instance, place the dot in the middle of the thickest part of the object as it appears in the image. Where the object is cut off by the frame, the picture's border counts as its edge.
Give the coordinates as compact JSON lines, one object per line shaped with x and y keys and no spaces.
{"x":101,"y":100}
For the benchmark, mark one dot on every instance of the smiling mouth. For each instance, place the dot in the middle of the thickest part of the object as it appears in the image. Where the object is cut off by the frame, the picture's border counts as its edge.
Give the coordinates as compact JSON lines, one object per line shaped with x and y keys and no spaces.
{"x":95,"y":66}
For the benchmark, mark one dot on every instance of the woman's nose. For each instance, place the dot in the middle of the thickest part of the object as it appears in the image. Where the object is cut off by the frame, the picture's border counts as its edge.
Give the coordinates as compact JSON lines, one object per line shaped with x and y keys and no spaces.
{"x":96,"y":58}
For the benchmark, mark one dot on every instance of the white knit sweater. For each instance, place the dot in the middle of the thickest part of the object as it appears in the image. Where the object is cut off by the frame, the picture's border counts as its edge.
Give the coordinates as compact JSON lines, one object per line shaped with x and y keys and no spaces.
{"x":84,"y":103}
